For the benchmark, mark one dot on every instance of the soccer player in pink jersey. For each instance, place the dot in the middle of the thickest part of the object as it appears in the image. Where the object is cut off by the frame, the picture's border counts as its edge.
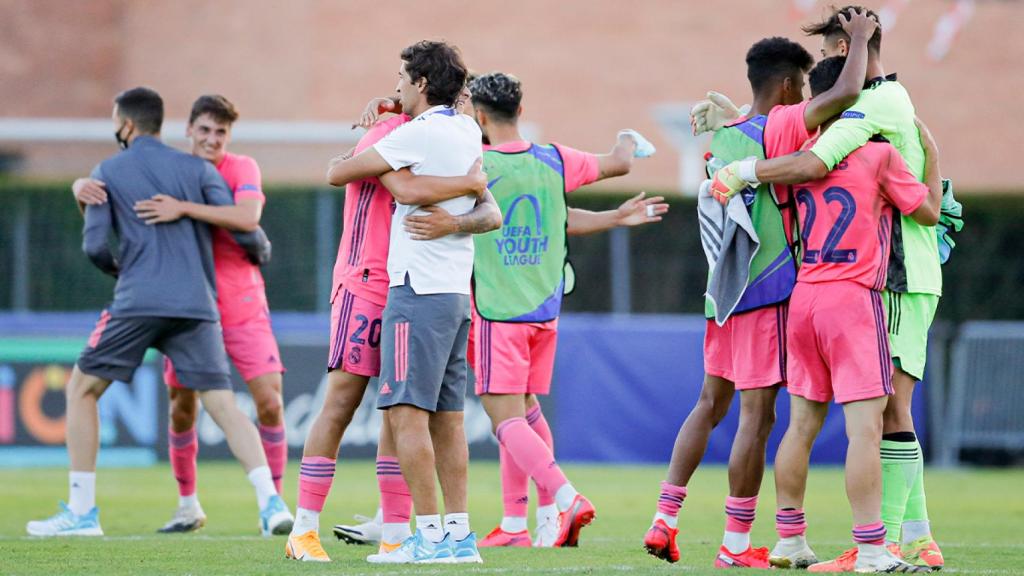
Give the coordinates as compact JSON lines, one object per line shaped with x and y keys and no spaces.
{"x":747,"y":352}
{"x":358,"y":296}
{"x":838,"y":346}
{"x":513,"y":361}
{"x":241,"y":301}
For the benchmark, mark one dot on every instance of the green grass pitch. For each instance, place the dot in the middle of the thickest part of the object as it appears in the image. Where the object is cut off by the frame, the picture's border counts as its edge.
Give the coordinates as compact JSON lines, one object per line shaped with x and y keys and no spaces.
{"x":977,"y":515}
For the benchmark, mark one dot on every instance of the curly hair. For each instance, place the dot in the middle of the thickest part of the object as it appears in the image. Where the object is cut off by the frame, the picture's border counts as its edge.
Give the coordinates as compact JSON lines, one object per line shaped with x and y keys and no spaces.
{"x":831,"y":27}
{"x":499,"y":94}
{"x":441,"y":64}
{"x":774,"y":59}
{"x":218,"y":107}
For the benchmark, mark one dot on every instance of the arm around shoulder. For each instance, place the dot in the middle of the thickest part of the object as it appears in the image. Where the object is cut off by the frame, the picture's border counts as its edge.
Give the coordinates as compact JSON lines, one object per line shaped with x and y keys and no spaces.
{"x":795,"y":168}
{"x":366,"y":164}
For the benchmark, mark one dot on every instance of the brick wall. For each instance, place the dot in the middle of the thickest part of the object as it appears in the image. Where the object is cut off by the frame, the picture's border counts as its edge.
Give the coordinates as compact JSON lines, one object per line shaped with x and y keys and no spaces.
{"x":589,"y":67}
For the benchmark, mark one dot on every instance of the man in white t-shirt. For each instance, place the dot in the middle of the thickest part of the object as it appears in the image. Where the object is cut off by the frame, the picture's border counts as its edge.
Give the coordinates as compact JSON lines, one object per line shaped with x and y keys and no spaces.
{"x":426,"y":319}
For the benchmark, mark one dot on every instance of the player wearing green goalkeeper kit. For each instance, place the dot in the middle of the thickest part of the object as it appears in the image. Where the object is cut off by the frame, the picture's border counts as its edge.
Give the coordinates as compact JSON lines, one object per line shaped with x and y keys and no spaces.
{"x":914,"y":278}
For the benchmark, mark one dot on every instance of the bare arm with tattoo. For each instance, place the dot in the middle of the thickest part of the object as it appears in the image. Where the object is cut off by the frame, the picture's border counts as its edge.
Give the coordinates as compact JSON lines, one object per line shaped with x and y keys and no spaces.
{"x":485,"y":217}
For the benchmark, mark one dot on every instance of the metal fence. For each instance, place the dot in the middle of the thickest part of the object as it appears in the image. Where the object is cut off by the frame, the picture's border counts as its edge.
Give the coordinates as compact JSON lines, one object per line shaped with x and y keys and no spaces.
{"x":986,"y":397}
{"x":43,"y":268}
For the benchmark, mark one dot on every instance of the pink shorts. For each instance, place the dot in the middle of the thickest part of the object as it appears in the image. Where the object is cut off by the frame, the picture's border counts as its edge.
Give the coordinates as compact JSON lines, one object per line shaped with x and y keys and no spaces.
{"x":750,"y":349}
{"x":838,"y":344}
{"x":251,"y":347}
{"x":511,"y":358}
{"x":355,"y":335}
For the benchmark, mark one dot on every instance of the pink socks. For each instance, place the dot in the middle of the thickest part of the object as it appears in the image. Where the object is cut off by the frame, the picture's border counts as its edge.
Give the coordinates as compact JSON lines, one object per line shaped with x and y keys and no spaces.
{"x":515,"y":485}
{"x":790,"y":522}
{"x":531,"y":454}
{"x":671,"y":499}
{"x":316,"y":474}
{"x":182,"y":449}
{"x":395,"y":500}
{"x":276,"y":449}
{"x":739,"y":513}
{"x":535,"y":418}
{"x":873,"y":533}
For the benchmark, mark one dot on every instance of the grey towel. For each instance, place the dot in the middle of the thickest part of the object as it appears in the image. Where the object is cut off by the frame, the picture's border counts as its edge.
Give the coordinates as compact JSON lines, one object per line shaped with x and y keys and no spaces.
{"x":730,"y":244}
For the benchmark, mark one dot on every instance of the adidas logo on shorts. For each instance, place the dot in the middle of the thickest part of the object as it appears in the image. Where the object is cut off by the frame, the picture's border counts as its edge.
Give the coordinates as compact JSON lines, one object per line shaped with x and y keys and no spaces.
{"x":385,"y":389}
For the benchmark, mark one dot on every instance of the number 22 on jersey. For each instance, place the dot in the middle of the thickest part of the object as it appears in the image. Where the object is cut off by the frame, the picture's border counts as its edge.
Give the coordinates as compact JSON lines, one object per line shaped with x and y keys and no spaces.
{"x":829,"y":251}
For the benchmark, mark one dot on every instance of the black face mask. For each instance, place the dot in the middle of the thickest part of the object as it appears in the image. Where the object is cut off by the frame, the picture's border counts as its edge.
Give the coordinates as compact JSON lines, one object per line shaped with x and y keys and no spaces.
{"x":122,"y":142}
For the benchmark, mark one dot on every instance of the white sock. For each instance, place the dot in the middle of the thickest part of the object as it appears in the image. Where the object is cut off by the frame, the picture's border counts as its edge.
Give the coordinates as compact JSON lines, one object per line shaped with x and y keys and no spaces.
{"x":190,"y":501}
{"x":395,"y":532}
{"x":916,"y":529}
{"x":513,"y":524}
{"x":378,"y":518}
{"x":798,"y":541}
{"x":672,"y":521}
{"x":305,"y":520}
{"x":263,"y":482}
{"x":457,"y":524}
{"x":736,"y":542}
{"x":431,"y":527}
{"x":869,"y":552}
{"x":81,"y":492}
{"x":547,"y":513}
{"x":564,"y":497}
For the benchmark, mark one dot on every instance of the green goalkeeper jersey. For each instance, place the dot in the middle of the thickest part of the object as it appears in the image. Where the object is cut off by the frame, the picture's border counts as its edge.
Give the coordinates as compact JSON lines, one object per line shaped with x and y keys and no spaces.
{"x":884,"y":107}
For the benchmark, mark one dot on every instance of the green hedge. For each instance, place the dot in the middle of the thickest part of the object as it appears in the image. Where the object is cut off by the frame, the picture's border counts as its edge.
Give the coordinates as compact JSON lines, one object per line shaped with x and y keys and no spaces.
{"x":983,"y":280}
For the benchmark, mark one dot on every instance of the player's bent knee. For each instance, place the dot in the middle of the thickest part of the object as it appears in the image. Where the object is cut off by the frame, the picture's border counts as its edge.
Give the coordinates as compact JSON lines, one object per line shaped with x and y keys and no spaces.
{"x":182,"y":421}
{"x":710,"y":408}
{"x":269,"y":408}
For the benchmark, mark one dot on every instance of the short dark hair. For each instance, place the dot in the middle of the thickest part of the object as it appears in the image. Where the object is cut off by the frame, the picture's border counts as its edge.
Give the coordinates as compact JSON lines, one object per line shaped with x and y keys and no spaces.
{"x":218,"y":107}
{"x":825,"y":74}
{"x":774,"y":59}
{"x":831,"y":28}
{"x":143,"y":106}
{"x":499,"y":94}
{"x":441,"y":64}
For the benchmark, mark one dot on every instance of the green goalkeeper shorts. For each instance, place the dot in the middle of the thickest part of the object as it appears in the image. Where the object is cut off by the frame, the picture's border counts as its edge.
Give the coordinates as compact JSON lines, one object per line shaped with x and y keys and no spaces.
{"x":908,"y":317}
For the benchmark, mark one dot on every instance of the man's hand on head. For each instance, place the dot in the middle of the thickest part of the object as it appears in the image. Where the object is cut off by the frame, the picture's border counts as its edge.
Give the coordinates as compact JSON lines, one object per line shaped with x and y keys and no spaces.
{"x":160,"y":209}
{"x":859,"y":24}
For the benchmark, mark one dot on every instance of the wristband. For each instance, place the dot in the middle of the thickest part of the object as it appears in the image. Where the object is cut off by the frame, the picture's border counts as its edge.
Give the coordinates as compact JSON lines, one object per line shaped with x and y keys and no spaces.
{"x":747,"y":170}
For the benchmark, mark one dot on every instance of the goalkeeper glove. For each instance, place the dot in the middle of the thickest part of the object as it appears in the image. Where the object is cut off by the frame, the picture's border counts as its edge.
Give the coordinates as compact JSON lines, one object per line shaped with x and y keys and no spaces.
{"x":732,"y":178}
{"x":713,"y":114}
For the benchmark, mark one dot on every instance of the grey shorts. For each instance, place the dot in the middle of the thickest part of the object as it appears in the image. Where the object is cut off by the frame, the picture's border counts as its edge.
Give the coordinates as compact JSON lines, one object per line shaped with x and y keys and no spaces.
{"x":423,"y":351}
{"x":118,"y":345}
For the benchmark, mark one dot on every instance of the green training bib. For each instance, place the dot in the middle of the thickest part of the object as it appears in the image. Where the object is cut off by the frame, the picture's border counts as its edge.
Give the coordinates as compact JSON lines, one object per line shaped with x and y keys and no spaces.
{"x":519,"y":271}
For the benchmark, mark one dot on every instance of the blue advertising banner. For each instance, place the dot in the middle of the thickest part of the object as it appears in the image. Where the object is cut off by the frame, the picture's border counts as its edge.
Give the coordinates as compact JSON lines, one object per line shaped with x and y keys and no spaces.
{"x":622,"y":387}
{"x":624,"y":384}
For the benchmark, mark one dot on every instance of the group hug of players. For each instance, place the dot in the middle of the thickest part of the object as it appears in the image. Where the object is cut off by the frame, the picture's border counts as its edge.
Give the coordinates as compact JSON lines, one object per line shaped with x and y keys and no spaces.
{"x":448,"y":258}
